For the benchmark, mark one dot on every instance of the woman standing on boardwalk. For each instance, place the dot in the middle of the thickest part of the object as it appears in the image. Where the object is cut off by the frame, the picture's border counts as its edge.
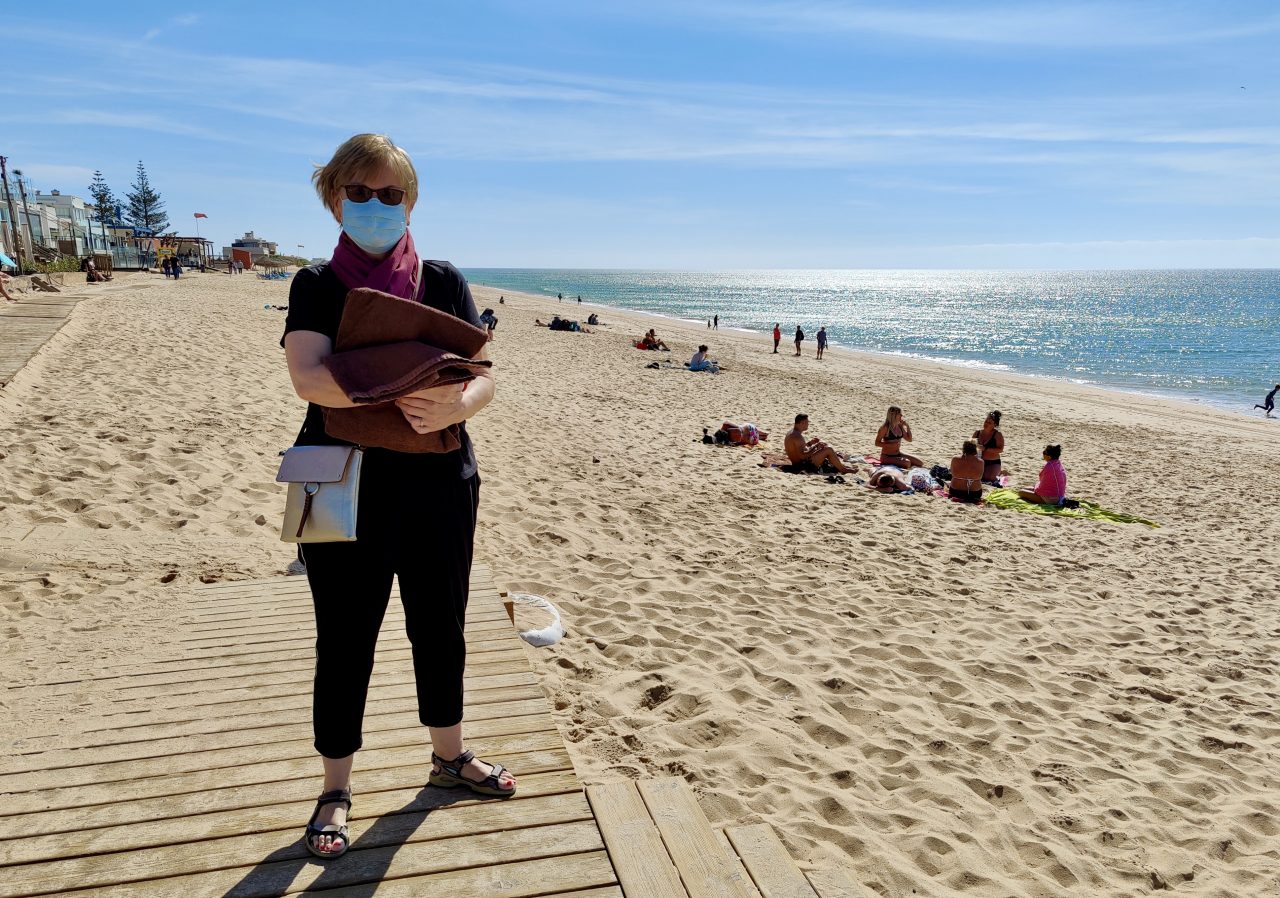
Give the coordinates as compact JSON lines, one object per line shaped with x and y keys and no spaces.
{"x":417,"y":511}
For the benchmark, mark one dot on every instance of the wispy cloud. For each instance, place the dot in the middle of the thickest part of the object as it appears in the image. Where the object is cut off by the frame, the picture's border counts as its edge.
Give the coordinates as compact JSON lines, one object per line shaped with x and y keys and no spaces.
{"x":1077,"y":25}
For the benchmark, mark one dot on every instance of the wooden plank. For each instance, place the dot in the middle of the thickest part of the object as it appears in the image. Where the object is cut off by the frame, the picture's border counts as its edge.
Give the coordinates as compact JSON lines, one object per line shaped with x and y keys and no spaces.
{"x":402,"y":768}
{"x":164,"y":709}
{"x":271,"y":877}
{"x":143,"y":786}
{"x":772,"y":869}
{"x":635,"y":847}
{"x":836,"y":883}
{"x":259,"y":733}
{"x":706,"y":869}
{"x":286,"y":746}
{"x":256,"y":712}
{"x":396,"y":820}
{"x":406,"y":793}
{"x":524,"y":879}
{"x":225,"y":682}
{"x":736,"y":862}
{"x":481,"y":650}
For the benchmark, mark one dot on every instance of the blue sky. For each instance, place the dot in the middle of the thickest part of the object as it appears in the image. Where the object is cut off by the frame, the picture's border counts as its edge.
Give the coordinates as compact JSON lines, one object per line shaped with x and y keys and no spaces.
{"x":664,"y":134}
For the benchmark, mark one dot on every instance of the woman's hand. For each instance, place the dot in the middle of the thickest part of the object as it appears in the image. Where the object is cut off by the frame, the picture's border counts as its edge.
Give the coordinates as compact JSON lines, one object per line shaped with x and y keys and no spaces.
{"x":428,"y":411}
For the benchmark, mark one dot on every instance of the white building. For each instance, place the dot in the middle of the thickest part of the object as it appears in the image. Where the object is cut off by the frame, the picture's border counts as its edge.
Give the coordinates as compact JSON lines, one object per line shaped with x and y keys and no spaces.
{"x":71,"y":215}
{"x":252,"y":244}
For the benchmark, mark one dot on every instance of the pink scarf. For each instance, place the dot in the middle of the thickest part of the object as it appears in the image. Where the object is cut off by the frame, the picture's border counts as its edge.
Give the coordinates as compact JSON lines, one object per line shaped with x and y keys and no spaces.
{"x":399,"y":273}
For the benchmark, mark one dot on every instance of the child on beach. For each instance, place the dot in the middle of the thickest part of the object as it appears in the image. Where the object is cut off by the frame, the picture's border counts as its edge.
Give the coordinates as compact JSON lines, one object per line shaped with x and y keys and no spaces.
{"x":1052,"y":487}
{"x":1270,"y":401}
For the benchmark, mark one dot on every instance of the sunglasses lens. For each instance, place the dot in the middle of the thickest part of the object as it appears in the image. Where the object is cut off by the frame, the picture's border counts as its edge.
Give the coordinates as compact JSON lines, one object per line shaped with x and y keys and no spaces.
{"x":388,"y":196}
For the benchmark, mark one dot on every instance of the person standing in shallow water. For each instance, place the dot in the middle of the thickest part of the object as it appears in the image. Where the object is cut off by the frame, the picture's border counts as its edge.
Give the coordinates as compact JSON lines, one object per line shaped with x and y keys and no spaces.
{"x":822,"y":341}
{"x":417,"y":511}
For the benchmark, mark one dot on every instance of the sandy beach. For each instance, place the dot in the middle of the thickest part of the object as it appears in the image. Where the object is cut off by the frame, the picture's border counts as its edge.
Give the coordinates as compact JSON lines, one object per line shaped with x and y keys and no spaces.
{"x":948,"y":700}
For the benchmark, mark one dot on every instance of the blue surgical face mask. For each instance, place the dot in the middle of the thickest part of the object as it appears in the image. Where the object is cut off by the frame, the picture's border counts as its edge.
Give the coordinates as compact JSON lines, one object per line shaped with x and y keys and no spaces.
{"x":375,"y":227}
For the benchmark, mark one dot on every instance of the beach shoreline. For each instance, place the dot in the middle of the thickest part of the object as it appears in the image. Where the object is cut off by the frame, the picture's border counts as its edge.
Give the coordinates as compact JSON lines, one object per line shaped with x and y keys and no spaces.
{"x":870,"y":355}
{"x":1131,"y":382}
{"x":956,"y":700}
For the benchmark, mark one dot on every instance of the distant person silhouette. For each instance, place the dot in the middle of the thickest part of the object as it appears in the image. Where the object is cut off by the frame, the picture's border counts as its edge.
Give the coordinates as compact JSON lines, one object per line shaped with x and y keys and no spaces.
{"x":1270,"y":401}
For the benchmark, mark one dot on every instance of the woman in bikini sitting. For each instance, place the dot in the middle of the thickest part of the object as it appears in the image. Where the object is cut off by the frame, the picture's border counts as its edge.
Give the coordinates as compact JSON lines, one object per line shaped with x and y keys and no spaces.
{"x":966,"y":474}
{"x":889,"y":440}
{"x":992,"y":442}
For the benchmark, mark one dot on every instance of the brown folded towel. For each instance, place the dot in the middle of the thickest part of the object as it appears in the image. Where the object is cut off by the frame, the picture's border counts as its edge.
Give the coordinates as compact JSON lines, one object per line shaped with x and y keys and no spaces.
{"x":387,"y":347}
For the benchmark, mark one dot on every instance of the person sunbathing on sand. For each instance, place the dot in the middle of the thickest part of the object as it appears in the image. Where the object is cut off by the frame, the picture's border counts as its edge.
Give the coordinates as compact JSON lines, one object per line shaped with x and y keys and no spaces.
{"x":808,"y":455}
{"x":1052,"y":487}
{"x":966,"y":474}
{"x":888,"y":479}
{"x":889,"y":439}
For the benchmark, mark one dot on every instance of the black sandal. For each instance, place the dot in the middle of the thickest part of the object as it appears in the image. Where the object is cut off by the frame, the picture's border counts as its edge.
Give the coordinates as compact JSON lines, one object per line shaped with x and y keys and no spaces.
{"x":450,"y":775}
{"x":337,"y":796}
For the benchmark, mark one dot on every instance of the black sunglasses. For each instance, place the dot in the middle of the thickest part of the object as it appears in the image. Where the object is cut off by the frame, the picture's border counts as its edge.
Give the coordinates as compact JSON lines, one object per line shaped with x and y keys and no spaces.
{"x":388,"y":196}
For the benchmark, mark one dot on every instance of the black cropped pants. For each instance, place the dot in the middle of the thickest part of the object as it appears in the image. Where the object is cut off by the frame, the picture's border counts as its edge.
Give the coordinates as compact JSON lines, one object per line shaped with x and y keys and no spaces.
{"x":416,"y":521}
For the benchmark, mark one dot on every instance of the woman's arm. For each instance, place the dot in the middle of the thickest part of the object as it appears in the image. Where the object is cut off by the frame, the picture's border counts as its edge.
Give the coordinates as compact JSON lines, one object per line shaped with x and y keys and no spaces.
{"x":906,"y":431}
{"x":305,"y":352}
{"x":880,"y":434}
{"x":439,"y":407}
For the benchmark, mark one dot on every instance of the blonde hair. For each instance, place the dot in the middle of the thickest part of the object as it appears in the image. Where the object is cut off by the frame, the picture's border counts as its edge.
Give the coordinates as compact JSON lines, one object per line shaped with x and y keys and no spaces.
{"x":359,"y":156}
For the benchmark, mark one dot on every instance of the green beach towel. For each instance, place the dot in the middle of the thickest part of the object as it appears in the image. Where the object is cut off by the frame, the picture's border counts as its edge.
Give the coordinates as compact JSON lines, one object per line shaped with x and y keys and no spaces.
{"x":1007,"y":498}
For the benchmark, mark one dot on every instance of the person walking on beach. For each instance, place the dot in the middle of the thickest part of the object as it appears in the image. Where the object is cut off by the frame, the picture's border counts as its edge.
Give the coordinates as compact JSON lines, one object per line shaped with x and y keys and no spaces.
{"x":560,"y":297}
{"x":799,"y":339}
{"x":777,"y":337}
{"x":808,"y":455}
{"x":164,"y":264}
{"x":416,"y":512}
{"x":716,"y":320}
{"x":1270,"y":401}
{"x":4,"y":282}
{"x":822,"y":341}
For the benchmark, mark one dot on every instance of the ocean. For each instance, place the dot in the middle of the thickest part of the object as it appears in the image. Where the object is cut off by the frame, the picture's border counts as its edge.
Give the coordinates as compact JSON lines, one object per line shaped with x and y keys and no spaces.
{"x":1210,"y":336}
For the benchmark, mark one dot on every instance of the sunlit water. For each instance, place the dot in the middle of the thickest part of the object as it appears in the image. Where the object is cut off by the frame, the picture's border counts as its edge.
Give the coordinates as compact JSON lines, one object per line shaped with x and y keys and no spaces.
{"x":1208,"y":336}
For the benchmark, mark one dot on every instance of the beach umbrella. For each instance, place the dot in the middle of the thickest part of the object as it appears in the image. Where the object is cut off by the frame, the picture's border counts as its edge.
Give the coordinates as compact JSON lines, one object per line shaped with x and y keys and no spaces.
{"x":271,"y":262}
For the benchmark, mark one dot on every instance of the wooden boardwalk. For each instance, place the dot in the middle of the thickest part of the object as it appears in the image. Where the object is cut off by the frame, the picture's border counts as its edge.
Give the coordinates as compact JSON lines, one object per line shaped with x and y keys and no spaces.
{"x":194,"y":774}
{"x":29,"y":323}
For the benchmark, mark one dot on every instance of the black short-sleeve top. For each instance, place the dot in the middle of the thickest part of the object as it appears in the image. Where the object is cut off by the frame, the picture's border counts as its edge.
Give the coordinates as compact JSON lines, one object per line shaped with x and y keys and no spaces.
{"x":316,"y":300}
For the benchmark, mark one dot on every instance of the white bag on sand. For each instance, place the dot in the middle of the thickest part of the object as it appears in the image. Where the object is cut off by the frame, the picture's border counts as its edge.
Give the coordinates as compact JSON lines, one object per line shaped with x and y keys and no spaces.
{"x":548,"y":635}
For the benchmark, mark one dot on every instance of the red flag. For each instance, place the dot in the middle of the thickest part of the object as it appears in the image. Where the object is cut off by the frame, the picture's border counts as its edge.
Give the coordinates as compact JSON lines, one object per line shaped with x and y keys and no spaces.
{"x":201,"y":215}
